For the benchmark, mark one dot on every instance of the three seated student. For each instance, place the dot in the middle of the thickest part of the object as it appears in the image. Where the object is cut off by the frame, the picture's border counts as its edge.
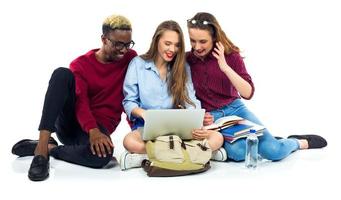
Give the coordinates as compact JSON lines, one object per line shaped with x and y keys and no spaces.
{"x":76,"y":106}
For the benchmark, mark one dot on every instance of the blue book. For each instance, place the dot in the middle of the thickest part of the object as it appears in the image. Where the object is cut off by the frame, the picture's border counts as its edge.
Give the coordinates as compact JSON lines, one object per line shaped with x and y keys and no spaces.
{"x":232,"y":131}
{"x":240,"y":130}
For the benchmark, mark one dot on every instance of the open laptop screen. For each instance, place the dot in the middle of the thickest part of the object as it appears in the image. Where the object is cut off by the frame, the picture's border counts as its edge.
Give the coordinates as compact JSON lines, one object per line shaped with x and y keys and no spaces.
{"x":180,"y":122}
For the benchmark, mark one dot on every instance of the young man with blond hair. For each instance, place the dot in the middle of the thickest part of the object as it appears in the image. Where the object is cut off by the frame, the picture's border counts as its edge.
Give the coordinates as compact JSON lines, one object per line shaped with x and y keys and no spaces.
{"x":83,"y":104}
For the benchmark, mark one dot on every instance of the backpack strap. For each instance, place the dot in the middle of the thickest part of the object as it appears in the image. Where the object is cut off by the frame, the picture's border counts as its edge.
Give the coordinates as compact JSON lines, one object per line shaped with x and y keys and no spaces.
{"x":202,"y":147}
{"x":183,"y":145}
{"x":171,"y":142}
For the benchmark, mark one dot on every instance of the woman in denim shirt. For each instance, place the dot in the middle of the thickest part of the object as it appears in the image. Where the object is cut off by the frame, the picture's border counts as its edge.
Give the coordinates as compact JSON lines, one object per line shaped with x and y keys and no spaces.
{"x":221,"y":79}
{"x":159,"y":79}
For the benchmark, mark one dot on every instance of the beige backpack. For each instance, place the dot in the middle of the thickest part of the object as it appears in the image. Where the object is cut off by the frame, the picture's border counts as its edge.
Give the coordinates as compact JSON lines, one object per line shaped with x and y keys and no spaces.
{"x":171,"y":156}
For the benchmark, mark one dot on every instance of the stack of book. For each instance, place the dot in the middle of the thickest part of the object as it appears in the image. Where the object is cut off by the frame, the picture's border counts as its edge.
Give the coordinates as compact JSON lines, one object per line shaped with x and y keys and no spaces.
{"x":234,"y":128}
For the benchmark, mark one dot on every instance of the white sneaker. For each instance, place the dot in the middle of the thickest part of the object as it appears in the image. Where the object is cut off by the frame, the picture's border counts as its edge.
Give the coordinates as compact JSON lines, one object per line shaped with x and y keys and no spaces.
{"x":219,"y":155}
{"x":131,"y":160}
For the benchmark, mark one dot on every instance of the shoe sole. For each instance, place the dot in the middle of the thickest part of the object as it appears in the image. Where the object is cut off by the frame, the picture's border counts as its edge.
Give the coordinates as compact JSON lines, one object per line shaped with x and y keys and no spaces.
{"x":122,"y":162}
{"x":37,"y":178}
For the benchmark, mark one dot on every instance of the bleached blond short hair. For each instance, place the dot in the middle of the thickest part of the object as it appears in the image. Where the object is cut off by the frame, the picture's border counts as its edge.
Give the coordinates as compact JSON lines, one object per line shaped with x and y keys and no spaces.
{"x":114,"y":22}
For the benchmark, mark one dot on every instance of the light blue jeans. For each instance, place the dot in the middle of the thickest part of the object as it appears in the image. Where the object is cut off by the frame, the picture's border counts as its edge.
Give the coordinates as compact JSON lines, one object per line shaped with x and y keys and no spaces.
{"x":269,"y":147}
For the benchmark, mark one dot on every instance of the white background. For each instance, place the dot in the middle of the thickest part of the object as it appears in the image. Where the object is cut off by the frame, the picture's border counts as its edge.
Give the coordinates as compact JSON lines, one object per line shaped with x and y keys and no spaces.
{"x":291,"y":50}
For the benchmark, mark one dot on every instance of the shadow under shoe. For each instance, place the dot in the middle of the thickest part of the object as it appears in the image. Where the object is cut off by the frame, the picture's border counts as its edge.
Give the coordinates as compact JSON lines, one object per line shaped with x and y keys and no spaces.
{"x":39,"y":169}
{"x":26,"y":147}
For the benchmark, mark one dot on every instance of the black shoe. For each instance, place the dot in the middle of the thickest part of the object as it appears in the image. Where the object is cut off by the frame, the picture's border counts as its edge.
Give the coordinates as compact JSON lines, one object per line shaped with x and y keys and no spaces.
{"x":314,"y":141}
{"x":39,"y":169}
{"x":26,"y":147}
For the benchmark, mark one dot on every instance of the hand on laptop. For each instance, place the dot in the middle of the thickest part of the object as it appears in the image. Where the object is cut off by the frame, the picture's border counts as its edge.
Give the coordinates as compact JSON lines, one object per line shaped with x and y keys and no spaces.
{"x":138,"y":112}
{"x":208,"y":119}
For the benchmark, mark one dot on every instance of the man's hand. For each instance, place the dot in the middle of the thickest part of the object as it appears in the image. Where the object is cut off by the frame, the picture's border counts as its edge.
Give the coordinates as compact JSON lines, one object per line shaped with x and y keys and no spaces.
{"x":100,"y":143}
{"x":208,"y":119}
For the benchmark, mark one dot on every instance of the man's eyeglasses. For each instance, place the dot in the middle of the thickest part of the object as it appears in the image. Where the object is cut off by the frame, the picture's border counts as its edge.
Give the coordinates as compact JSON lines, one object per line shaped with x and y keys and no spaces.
{"x":120,"y":45}
{"x":198,"y":22}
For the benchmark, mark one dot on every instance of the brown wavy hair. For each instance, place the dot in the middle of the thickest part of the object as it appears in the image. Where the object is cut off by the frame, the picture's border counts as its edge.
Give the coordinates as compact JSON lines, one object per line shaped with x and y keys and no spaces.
{"x":178,"y":78}
{"x":206,"y":21}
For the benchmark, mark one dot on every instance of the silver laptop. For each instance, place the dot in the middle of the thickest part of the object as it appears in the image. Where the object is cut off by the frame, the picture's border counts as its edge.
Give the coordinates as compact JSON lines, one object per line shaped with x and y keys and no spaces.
{"x":180,"y":122}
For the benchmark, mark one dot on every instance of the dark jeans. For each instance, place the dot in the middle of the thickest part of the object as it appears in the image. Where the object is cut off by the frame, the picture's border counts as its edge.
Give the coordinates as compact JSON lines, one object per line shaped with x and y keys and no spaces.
{"x":59,"y":116}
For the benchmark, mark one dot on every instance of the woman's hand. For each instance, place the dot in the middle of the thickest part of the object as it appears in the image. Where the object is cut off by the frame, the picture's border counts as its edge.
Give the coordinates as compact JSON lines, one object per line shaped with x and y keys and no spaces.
{"x":138,"y":112}
{"x":208,"y":119}
{"x":243,"y":87}
{"x":200,"y":134}
{"x":219,"y":54}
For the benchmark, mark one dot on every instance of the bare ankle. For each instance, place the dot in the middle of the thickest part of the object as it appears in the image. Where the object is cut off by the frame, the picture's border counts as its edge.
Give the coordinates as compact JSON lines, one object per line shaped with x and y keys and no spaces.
{"x":303,"y":144}
{"x":41,"y":149}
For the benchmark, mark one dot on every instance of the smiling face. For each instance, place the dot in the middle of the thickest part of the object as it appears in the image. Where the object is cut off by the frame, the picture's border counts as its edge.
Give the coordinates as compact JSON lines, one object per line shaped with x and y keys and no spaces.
{"x":111,"y":41}
{"x":201,"y":41}
{"x":168,"y":45}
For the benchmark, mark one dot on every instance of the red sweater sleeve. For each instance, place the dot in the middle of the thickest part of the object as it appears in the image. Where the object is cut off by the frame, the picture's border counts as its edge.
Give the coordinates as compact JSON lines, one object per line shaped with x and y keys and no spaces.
{"x":83,"y":112}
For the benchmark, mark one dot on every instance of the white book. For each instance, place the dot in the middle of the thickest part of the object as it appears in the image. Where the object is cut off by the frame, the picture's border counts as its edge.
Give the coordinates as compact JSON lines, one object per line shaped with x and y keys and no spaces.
{"x":224,"y":122}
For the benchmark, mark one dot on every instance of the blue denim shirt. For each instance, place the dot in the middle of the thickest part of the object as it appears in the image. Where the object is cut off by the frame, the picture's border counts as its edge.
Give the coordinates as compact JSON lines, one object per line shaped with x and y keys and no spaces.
{"x":144,"y":88}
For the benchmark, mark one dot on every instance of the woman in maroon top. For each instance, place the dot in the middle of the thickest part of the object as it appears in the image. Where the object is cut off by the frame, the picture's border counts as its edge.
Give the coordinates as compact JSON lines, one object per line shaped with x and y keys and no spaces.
{"x":221,"y":79}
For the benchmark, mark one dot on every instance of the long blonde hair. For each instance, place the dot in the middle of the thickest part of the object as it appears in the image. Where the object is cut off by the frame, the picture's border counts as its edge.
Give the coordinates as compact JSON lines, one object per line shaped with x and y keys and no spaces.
{"x":178,"y":78}
{"x":206,"y":21}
